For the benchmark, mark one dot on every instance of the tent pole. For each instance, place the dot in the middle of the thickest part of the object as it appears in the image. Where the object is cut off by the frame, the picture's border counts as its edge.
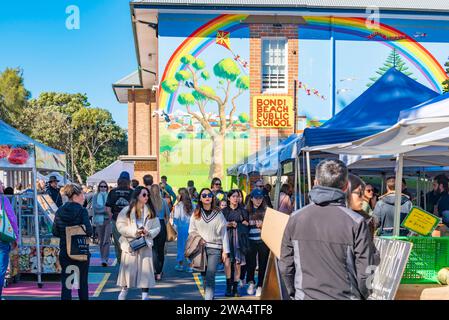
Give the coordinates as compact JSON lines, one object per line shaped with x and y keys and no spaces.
{"x":382,"y":184}
{"x":36,"y":226}
{"x":277,"y":189}
{"x":298,"y":168}
{"x":425,"y":189}
{"x":309,"y":175}
{"x":296,"y":186}
{"x":418,"y":195}
{"x":304,"y":176}
{"x":398,"y":193}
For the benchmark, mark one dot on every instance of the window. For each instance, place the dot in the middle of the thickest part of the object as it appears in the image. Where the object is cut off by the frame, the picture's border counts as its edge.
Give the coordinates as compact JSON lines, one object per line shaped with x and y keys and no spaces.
{"x":274,"y":64}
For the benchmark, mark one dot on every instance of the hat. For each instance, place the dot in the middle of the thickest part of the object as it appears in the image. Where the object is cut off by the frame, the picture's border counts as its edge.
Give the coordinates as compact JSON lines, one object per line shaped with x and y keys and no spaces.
{"x":124,"y":175}
{"x":53,"y":178}
{"x":256,"y":193}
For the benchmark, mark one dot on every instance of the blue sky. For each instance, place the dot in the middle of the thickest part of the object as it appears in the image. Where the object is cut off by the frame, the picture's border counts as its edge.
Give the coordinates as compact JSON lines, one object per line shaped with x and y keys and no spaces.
{"x":34,"y":37}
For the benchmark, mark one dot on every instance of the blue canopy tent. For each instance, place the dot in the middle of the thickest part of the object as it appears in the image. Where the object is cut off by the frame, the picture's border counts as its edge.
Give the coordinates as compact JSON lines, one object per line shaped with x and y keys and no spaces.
{"x":19,"y":152}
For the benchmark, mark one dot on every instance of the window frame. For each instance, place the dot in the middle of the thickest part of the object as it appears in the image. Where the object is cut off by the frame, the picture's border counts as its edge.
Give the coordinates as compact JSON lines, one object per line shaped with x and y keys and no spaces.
{"x":273,"y":90}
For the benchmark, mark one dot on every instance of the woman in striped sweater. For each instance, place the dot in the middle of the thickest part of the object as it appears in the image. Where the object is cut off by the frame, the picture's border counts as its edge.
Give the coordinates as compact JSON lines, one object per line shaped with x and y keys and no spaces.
{"x":256,"y":209}
{"x":210,"y":224}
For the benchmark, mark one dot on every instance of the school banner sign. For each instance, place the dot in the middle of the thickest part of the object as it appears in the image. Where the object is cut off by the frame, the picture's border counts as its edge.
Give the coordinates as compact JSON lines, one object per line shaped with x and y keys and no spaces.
{"x":273,"y":112}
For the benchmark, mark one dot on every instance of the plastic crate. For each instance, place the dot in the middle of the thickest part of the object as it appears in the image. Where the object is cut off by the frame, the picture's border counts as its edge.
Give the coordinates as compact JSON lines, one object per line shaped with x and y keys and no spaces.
{"x":428,"y":256}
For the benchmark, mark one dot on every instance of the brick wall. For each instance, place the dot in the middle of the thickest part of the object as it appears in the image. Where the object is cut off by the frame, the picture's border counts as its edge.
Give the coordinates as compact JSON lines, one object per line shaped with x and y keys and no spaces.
{"x":145,"y":126}
{"x":257,"y":31}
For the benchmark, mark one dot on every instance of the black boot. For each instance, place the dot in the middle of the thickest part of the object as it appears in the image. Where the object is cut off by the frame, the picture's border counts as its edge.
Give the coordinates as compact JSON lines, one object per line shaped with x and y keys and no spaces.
{"x":228,"y":292}
{"x":235,"y":289}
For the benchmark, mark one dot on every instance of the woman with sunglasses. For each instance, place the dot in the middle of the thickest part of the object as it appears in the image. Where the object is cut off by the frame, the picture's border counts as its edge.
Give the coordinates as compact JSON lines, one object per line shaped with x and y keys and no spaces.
{"x":237,"y":218}
{"x":258,"y":252}
{"x":367,"y":196}
{"x":135,"y":221}
{"x":210,"y":224}
{"x":355,"y":195}
{"x":102,"y":221}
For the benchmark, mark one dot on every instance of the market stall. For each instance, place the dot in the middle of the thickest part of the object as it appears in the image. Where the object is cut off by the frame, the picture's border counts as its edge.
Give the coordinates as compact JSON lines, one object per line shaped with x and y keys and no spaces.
{"x":111,"y":173}
{"x":36,"y":245}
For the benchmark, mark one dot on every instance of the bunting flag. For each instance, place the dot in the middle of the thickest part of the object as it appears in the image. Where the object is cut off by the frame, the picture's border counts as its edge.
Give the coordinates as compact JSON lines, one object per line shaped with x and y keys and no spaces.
{"x":310,"y":91}
{"x":224,"y":39}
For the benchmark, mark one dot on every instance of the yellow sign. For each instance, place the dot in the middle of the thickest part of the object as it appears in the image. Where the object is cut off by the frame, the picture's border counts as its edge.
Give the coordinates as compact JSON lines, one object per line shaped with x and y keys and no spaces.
{"x":420,"y":221}
{"x":273,"y":112}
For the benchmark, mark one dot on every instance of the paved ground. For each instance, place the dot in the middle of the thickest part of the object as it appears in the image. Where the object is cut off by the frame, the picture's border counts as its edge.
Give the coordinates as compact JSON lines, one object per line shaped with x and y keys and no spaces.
{"x":175,"y":285}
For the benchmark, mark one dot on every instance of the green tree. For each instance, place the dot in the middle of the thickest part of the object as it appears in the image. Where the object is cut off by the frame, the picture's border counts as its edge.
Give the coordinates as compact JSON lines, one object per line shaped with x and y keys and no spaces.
{"x":228,"y":72}
{"x":243,"y":117}
{"x":87,"y":135}
{"x":446,"y":82}
{"x":393,"y":60}
{"x":13,"y":95}
{"x":167,"y":146}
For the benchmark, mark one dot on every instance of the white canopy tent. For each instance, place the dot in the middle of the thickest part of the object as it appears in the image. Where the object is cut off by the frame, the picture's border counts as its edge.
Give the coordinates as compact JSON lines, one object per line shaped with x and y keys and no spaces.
{"x":111,"y":173}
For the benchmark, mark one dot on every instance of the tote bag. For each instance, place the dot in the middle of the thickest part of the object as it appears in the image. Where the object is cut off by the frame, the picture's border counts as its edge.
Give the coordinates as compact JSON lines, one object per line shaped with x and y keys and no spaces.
{"x":6,"y":231}
{"x":77,"y":243}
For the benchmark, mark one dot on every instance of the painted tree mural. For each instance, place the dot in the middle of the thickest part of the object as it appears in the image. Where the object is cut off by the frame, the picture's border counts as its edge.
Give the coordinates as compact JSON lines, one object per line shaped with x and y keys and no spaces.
{"x":446,"y":82}
{"x":231,"y":85}
{"x":393,"y":60}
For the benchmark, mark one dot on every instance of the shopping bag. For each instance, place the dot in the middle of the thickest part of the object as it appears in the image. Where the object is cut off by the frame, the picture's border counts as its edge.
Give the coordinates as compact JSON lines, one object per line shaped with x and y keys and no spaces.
{"x":77,"y":243}
{"x":6,"y":231}
{"x":171,"y":232}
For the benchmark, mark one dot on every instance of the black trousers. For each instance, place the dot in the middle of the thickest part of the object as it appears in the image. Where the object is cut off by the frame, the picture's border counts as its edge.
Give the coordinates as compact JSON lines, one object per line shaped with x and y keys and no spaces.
{"x":159,"y":248}
{"x":260,"y":251}
{"x":70,"y":270}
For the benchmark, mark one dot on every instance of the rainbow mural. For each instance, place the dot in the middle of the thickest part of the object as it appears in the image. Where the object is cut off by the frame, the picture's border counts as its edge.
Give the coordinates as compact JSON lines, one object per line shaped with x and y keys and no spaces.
{"x":204,"y":36}
{"x":408,"y":47}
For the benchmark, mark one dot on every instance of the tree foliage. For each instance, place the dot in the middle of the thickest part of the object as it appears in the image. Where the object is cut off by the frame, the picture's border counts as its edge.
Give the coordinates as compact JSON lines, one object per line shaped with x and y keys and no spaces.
{"x":446,"y":82}
{"x":13,"y":95}
{"x":67,"y":122}
{"x":394,"y":60}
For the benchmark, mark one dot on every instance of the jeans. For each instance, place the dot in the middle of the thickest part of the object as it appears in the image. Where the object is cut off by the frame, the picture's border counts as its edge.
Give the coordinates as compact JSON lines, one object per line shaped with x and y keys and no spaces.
{"x":5,"y":248}
{"x":116,"y":236}
{"x":213,"y":258}
{"x":83,"y":267}
{"x":262,"y":252}
{"x":104,"y":239}
{"x":159,"y":248}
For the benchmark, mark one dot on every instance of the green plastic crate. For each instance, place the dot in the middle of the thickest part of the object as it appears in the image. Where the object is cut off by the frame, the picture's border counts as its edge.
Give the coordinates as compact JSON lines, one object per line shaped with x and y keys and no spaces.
{"x":428,"y":256}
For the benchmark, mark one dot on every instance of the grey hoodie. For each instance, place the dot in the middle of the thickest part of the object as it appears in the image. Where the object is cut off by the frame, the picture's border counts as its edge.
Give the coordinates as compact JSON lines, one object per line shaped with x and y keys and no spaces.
{"x":384,"y":214}
{"x":326,"y":250}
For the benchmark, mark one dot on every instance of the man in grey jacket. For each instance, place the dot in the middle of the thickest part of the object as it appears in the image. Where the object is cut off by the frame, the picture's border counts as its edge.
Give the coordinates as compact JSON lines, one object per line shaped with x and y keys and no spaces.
{"x":327,"y":248}
{"x":384,"y":210}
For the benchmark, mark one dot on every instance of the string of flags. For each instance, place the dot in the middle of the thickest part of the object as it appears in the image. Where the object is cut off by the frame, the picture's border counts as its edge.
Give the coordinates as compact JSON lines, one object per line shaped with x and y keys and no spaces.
{"x":224,"y":39}
{"x":310,"y":91}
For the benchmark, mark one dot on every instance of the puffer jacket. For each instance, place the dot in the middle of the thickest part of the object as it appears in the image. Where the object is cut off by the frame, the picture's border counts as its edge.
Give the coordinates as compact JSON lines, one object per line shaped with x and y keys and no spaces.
{"x":70,"y":214}
{"x":195,"y":251}
{"x":384,"y":214}
{"x":326,"y":250}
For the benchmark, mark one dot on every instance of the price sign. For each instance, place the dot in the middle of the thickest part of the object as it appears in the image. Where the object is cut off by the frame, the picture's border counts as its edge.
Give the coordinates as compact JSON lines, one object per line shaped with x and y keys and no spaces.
{"x":420,"y":221}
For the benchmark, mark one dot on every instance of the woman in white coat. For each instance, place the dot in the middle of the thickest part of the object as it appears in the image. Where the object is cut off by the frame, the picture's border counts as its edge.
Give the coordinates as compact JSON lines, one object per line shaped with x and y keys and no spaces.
{"x":134,"y":221}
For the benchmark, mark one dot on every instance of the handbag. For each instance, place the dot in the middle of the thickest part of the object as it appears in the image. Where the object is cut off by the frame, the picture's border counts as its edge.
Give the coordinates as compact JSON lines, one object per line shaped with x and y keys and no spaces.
{"x":6,"y":231}
{"x":77,"y":243}
{"x":137,"y":244}
{"x":171,"y":232}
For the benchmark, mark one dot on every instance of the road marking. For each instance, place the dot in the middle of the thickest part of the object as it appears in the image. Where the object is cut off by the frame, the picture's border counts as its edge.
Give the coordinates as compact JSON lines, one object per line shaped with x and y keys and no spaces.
{"x":196,"y":277}
{"x":101,"y":285}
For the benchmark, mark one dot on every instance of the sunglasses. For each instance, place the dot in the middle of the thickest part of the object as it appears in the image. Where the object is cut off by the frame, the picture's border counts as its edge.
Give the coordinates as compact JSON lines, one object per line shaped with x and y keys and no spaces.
{"x":145,"y":195}
{"x":217,"y":184}
{"x":207,"y":195}
{"x":103,"y":187}
{"x":360,"y":193}
{"x":369,"y":190}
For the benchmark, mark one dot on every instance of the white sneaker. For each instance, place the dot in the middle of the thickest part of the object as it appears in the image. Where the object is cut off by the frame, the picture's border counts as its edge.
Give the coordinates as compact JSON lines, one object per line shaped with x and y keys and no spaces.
{"x":250,"y":289}
{"x":123,"y":294}
{"x":144,"y":295}
{"x":259,"y":291}
{"x":242,"y":283}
